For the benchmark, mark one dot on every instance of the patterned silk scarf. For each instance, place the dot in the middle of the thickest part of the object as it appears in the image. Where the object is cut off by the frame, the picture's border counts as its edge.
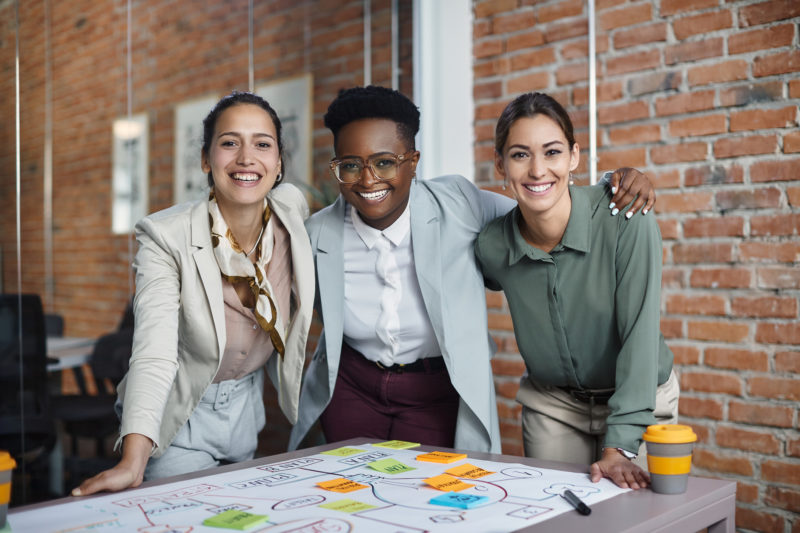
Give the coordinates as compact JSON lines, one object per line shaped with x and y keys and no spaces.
{"x":236,"y":267}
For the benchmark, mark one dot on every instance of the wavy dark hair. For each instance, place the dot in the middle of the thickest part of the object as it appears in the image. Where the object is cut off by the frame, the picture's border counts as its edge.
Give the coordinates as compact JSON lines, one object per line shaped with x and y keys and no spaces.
{"x":529,"y":105}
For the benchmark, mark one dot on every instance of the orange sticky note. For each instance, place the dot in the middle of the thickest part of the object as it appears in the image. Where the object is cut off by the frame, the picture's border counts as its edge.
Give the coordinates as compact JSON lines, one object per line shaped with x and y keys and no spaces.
{"x":441,"y":457}
{"x":341,"y":485}
{"x":468,"y":471}
{"x":446,"y":482}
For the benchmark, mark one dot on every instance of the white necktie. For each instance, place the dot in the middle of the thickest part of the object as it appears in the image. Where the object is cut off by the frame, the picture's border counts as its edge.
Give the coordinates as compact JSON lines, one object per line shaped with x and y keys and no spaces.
{"x":388,"y":322}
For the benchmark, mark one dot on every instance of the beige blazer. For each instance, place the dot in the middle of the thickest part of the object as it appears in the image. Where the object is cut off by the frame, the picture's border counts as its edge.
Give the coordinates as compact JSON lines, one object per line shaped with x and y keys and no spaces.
{"x":179,"y":333}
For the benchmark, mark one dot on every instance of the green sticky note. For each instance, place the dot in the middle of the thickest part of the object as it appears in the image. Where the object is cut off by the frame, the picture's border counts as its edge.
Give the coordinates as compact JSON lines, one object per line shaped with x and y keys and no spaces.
{"x":343,"y":451}
{"x":347,"y":506}
{"x":397,"y":444}
{"x":390,"y":466}
{"x":235,"y":519}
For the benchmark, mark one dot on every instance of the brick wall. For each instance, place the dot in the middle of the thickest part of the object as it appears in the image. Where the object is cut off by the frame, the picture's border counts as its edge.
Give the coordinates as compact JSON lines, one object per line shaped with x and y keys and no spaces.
{"x":703,"y":95}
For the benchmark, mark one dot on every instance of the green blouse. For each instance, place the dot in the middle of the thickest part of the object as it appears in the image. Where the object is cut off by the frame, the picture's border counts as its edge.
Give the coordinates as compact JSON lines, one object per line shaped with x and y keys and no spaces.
{"x":586,"y":315}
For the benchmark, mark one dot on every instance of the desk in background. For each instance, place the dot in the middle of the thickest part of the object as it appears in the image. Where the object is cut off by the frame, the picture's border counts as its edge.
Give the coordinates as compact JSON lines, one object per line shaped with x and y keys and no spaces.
{"x":68,"y":352}
{"x":707,"y":503}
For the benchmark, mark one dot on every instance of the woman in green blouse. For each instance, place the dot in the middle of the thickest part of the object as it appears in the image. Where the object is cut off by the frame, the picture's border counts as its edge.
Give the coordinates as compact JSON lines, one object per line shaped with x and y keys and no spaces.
{"x":583,"y":288}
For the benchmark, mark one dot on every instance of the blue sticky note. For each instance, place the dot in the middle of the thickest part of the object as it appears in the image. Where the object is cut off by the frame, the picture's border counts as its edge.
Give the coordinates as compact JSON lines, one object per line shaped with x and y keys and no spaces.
{"x":459,"y":500}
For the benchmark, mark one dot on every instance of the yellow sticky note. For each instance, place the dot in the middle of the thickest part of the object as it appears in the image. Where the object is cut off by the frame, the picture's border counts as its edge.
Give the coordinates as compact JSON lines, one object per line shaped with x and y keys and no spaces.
{"x":347,"y":506}
{"x":341,"y":485}
{"x":343,"y":451}
{"x":447,"y":482}
{"x":441,"y":457}
{"x":468,"y":471}
{"x":397,"y":444}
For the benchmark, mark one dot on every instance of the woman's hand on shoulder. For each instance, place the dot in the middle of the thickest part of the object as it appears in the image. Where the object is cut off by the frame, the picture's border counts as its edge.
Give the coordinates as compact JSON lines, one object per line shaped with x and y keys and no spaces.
{"x":629,"y":185}
{"x":620,"y":470}
{"x":128,"y":473}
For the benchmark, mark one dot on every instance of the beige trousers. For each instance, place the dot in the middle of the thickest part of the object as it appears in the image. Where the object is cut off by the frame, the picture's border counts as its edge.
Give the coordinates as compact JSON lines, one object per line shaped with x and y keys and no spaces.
{"x":557,"y":427}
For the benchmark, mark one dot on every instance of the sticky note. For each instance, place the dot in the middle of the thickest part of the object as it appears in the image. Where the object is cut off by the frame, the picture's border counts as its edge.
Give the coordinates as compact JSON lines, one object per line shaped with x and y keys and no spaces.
{"x":390,"y":466}
{"x":397,"y":444}
{"x":461,"y":501}
{"x":341,"y":485}
{"x":468,"y":471}
{"x":343,"y":451}
{"x":441,"y":457}
{"x":446,"y":482}
{"x":347,"y":506}
{"x":235,"y":519}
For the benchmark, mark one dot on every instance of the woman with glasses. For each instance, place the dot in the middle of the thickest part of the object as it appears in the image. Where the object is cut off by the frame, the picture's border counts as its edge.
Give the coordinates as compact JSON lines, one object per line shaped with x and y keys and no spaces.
{"x":224,"y":289}
{"x":405,"y":352}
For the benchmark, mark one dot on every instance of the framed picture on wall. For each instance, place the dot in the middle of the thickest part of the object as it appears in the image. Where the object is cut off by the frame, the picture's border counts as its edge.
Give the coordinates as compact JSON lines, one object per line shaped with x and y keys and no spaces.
{"x":191,"y":182}
{"x":129,"y":172}
{"x":292,"y":99}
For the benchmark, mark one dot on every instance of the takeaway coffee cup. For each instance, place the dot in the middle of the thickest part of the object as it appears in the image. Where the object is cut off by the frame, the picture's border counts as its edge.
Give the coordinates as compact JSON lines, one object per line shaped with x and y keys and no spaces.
{"x":7,"y":464}
{"x":669,"y":456}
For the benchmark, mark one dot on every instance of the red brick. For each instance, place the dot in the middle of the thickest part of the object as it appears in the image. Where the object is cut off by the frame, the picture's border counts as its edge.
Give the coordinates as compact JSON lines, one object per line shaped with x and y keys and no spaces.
{"x":492,"y":67}
{"x":682,"y":304}
{"x":625,"y":16}
{"x":633,"y":157}
{"x":670,"y":229}
{"x":575,"y":27}
{"x":513,"y":448}
{"x":764,"y":307}
{"x":634,"y":134}
{"x":700,"y":408}
{"x":561,"y":10}
{"x":699,"y":125}
{"x":714,"y":227}
{"x":666,"y":179}
{"x":651,"y":33}
{"x":794,"y":89}
{"x":746,"y":492}
{"x":527,"y":83}
{"x":507,"y":389}
{"x":579,"y":49}
{"x":493,"y":7}
{"x":616,"y":114}
{"x":571,"y":73}
{"x":760,"y":414}
{"x":793,"y":195}
{"x":793,"y":447}
{"x":495,"y":299}
{"x":778,"y":278}
{"x":777,"y":388}
{"x":481,"y":28}
{"x":529,"y":39}
{"x":752,"y":441}
{"x":685,"y":103}
{"x":510,"y":430}
{"x":761,"y":39}
{"x":770,"y":11}
{"x":643,"y":60}
{"x":791,"y":142}
{"x":693,"y":51}
{"x":711,"y":382}
{"x":768,"y":225}
{"x":515,"y":21}
{"x":673,"y":278}
{"x":487,"y":47}
{"x":718,"y":331}
{"x":718,"y":73}
{"x":702,"y":23}
{"x":718,"y":462}
{"x":778,"y":333}
{"x":504,"y":367}
{"x":757,"y":119}
{"x":678,"y":153}
{"x":787,"y":362}
{"x":751,"y":93}
{"x":684,"y":202}
{"x":750,"y":145}
{"x":782,"y":252}
{"x":783,"y":170}
{"x":671,"y":328}
{"x":758,"y":520}
{"x":702,"y":432}
{"x":713,"y":175}
{"x":500,"y":321}
{"x":781,"y":472}
{"x":505,"y":411}
{"x":783,"y":498}
{"x":685,"y":355}
{"x":736,"y":359}
{"x":765,"y":197}
{"x":533,"y":58}
{"x":672,"y":7}
{"x":492,"y":89}
{"x":654,"y":82}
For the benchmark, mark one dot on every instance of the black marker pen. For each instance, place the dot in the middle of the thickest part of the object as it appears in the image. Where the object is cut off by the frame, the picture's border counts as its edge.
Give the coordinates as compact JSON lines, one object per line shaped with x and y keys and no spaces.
{"x":576,"y":502}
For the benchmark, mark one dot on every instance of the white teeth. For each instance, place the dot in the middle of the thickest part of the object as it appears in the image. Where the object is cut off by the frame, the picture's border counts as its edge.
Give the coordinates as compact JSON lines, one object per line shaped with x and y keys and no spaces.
{"x":539,"y":188}
{"x":374,"y":195}
{"x":245,"y":176}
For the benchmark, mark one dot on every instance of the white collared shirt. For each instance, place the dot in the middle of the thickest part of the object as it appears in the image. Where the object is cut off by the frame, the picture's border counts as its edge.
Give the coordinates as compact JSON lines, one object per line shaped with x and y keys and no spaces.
{"x":384,"y":314}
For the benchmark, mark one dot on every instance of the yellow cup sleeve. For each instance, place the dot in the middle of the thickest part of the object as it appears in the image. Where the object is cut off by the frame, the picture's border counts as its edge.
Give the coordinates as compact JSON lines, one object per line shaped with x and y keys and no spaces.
{"x":669,"y":465}
{"x":5,"y":493}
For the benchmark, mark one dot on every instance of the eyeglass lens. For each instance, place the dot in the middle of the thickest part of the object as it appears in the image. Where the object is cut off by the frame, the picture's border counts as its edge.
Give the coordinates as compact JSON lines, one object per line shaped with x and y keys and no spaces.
{"x":383,"y":166}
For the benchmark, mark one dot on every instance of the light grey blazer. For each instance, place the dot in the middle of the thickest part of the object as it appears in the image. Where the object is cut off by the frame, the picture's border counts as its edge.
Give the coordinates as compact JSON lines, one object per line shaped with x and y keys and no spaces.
{"x":179,"y":333}
{"x":447,"y":214}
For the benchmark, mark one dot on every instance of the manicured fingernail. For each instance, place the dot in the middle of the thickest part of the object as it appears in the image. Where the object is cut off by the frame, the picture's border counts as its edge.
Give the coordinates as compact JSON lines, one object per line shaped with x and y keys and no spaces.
{"x":614,"y":211}
{"x":611,"y":205}
{"x":629,"y":214}
{"x":76,"y":492}
{"x":613,"y":190}
{"x":644,"y":211}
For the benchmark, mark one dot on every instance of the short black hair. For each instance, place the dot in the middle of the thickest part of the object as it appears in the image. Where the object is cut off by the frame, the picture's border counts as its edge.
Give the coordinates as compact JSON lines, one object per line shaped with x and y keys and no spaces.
{"x":240,"y":98}
{"x":373,"y":101}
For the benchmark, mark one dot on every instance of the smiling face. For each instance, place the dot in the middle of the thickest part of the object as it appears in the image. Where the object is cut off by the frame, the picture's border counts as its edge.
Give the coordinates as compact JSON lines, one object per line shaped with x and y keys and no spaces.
{"x":243,"y":157}
{"x":536,"y":160}
{"x":379,"y":203}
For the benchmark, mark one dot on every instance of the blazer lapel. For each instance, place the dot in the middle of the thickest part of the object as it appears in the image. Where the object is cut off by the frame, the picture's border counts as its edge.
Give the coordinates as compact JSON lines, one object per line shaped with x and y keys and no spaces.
{"x":330,"y":272}
{"x":425,"y":243}
{"x":208,"y":269}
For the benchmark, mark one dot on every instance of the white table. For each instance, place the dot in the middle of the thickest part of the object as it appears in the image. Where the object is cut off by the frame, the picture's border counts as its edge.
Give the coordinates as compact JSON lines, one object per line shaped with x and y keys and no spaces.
{"x":71,"y":352}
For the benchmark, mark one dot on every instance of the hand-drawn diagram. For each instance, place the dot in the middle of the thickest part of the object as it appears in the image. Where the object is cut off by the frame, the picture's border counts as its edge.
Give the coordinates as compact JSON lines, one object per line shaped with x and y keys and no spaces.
{"x":518,"y":496}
